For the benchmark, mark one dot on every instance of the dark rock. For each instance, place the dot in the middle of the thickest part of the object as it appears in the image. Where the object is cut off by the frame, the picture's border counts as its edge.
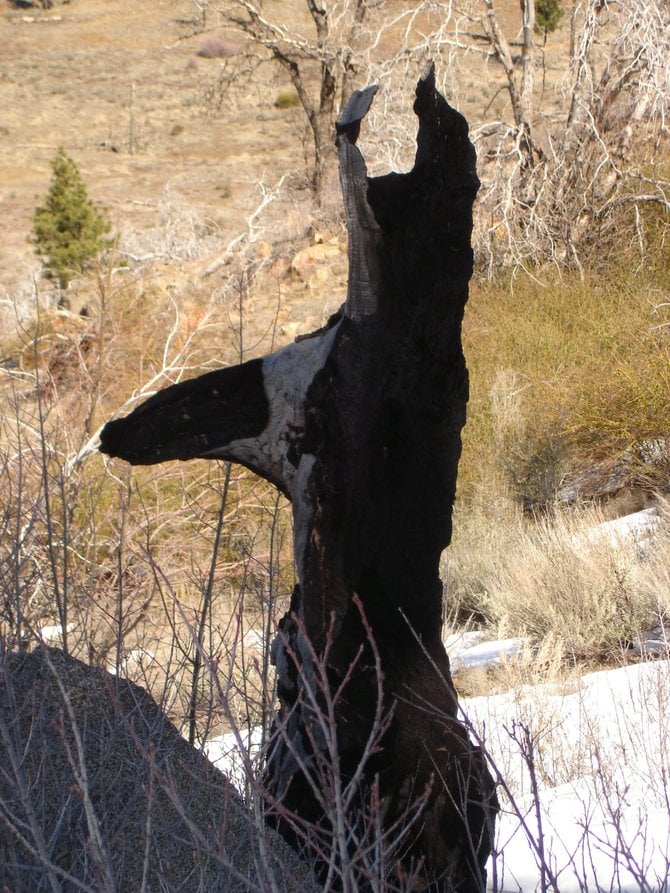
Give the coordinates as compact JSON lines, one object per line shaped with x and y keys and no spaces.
{"x":99,"y":791}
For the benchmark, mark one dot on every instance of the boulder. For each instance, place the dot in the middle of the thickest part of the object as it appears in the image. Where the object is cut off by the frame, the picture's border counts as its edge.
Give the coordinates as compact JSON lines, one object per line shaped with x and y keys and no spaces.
{"x":308,"y":261}
{"x":99,"y":791}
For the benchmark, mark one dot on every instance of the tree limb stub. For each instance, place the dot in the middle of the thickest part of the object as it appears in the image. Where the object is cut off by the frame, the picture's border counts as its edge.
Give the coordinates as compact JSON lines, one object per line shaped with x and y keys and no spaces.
{"x":360,"y":426}
{"x":364,"y":231}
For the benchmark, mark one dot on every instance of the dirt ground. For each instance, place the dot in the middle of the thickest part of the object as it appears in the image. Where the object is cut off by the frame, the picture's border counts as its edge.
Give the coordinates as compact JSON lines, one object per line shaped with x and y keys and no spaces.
{"x":75,"y":75}
{"x":68,"y":77}
{"x":119,"y":85}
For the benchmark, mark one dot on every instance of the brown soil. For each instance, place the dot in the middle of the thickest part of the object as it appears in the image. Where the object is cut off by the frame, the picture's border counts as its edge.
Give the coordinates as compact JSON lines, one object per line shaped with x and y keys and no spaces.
{"x":67,"y":77}
{"x":119,"y":85}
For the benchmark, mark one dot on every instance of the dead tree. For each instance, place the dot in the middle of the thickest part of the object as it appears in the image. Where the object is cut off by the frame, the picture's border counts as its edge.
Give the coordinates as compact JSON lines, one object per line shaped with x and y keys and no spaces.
{"x":360,"y":426}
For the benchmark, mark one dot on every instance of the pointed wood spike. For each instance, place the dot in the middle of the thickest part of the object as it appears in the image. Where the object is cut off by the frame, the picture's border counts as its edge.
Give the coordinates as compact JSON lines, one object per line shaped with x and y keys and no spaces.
{"x":355,"y":110}
{"x":362,"y":227}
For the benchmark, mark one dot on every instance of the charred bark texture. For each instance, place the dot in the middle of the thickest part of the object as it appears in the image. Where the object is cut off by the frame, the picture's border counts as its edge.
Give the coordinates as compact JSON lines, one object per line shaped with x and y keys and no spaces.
{"x":361,"y":427}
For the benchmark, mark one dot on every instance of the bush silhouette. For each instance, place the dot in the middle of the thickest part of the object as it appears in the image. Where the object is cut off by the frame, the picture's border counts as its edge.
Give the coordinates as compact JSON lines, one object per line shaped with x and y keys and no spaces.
{"x":548,"y":15}
{"x":69,"y":229}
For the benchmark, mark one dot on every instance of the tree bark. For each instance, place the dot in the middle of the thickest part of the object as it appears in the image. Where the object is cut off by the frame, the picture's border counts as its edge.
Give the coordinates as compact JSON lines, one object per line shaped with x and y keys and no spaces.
{"x":360,"y":425}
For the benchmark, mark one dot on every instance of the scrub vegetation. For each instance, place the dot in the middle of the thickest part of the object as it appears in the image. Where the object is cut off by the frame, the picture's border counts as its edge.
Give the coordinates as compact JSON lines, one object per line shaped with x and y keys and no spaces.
{"x":229,"y":242}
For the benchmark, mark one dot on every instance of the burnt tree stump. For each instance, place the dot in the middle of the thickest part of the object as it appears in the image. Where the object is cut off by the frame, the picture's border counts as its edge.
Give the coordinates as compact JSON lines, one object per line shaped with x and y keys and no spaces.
{"x":359,"y":424}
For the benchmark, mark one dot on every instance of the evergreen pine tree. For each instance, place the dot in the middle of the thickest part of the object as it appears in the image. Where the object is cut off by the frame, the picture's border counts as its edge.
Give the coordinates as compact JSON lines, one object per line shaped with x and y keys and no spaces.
{"x":548,"y":14}
{"x":68,"y":228}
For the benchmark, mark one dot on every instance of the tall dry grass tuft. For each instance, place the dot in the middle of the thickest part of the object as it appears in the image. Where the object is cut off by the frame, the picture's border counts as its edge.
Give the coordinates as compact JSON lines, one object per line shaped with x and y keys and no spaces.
{"x":566,"y":371}
{"x":561,"y":577}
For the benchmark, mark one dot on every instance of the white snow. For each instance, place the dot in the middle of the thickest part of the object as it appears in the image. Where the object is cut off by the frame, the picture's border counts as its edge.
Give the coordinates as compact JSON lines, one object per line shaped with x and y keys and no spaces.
{"x":636,"y":530}
{"x":236,"y":753}
{"x":601,"y":757}
{"x":601,"y":753}
{"x":485,"y":654}
{"x":54,"y":632}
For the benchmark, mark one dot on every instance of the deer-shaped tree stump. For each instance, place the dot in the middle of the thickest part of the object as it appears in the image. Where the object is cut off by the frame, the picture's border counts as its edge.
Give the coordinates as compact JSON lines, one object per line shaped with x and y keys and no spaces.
{"x":359,"y":424}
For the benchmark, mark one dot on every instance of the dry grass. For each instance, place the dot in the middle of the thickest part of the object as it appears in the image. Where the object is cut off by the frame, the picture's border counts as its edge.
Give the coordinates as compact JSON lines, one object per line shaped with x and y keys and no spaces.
{"x":79,"y":77}
{"x":556,"y":579}
{"x":588,"y":357}
{"x":564,"y":371}
{"x":123,"y":560}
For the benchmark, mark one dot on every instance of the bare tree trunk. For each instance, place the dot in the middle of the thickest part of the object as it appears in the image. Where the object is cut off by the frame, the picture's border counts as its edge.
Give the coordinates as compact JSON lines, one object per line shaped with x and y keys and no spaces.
{"x":527,"y":60}
{"x":520,"y":89}
{"x":360,"y":425}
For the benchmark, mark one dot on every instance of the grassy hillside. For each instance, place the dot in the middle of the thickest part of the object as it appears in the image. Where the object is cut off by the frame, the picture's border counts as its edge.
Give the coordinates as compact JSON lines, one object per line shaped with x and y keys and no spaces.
{"x":222,"y":255}
{"x":568,"y":372}
{"x":176,"y":576}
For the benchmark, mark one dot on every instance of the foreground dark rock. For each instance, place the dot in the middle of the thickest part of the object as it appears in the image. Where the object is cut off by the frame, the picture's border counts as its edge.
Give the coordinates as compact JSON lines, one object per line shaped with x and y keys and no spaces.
{"x":98,"y":791}
{"x":360,"y":426}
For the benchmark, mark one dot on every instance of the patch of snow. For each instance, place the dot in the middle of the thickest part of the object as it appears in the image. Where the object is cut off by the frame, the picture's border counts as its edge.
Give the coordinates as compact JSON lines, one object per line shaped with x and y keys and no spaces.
{"x":601,"y":748}
{"x":488,"y":654}
{"x":458,"y":641}
{"x":655,"y":643}
{"x":138,"y":658}
{"x":54,"y":633}
{"x":236,"y":754}
{"x":584,"y":846}
{"x":254,"y":640}
{"x":601,"y":753}
{"x":636,"y":529}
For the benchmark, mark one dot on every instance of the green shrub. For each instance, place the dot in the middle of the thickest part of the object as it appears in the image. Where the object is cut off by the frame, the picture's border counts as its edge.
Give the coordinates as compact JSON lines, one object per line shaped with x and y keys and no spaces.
{"x":548,"y":15}
{"x":287,"y":99}
{"x":68,"y":228}
{"x":564,"y":374}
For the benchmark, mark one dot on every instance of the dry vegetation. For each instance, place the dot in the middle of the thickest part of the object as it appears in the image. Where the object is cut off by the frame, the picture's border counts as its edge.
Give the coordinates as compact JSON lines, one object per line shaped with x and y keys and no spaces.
{"x":166,"y":575}
{"x":564,"y":580}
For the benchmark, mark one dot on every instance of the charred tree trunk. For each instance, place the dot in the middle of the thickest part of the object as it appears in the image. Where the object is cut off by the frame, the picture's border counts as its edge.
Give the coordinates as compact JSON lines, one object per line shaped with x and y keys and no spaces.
{"x":360,"y":425}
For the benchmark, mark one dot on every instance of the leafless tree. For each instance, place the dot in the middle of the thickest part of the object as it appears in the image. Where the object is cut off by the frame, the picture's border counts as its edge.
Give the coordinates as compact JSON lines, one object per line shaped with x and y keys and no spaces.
{"x":557,"y":177}
{"x":318,"y":55}
{"x":550,"y":199}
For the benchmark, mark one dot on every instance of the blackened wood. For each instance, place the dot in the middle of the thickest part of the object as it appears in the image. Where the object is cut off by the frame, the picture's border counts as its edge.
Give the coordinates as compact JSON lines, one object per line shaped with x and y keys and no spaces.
{"x":363,"y":229}
{"x":383,"y":421}
{"x":192,"y":418}
{"x":252,"y":414}
{"x":360,"y":425}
